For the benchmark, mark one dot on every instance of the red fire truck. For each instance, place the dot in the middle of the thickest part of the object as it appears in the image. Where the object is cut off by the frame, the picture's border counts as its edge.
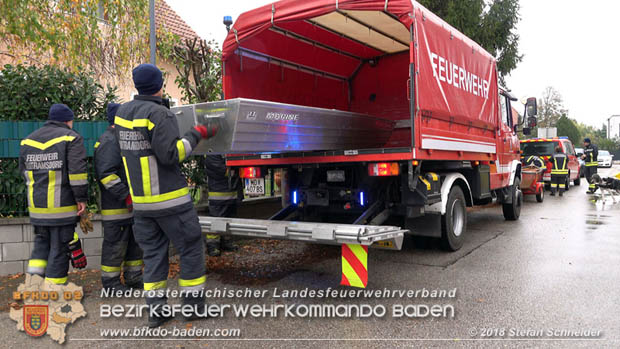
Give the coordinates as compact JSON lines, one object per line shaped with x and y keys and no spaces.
{"x":385,"y":118}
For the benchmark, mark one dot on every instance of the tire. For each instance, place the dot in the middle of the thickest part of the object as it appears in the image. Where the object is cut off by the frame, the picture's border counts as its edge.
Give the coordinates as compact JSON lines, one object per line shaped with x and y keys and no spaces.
{"x":512,"y":211}
{"x":454,"y":221}
{"x":568,"y":182}
{"x":540,"y":197}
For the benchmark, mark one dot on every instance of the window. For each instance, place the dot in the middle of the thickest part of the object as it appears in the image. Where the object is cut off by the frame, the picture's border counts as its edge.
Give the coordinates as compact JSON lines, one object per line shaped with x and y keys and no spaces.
{"x":569,"y":148}
{"x":503,"y":106}
{"x":538,"y":148}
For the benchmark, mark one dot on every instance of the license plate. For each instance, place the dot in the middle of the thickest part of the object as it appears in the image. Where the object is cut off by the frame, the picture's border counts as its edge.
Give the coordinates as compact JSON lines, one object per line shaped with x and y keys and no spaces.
{"x":255,"y":186}
{"x":335,"y":176}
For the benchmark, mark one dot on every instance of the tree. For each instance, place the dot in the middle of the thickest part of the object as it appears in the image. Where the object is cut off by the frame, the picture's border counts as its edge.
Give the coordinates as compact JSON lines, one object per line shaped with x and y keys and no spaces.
{"x":566,"y":127}
{"x":490,"y":23}
{"x":106,"y":37}
{"x":198,"y":63}
{"x":26,"y":93}
{"x":550,"y":108}
{"x":598,"y":136}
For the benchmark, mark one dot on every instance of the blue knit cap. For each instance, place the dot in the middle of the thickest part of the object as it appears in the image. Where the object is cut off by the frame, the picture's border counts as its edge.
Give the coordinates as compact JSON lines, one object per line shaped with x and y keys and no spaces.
{"x":60,"y":112}
{"x":586,"y":140}
{"x":148,"y":79}
{"x":112,"y":109}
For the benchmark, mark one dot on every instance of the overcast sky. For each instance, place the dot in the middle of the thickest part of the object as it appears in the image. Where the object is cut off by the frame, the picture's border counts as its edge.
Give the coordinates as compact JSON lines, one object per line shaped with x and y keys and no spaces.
{"x":571,"y":45}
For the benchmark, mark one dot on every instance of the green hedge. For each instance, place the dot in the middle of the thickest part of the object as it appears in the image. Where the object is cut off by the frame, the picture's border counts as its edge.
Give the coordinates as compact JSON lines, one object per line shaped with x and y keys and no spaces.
{"x":26,"y":94}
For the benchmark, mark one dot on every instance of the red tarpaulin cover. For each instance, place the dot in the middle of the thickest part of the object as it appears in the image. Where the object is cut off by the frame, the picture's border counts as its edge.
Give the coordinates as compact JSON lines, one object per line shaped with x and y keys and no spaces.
{"x":455,"y":83}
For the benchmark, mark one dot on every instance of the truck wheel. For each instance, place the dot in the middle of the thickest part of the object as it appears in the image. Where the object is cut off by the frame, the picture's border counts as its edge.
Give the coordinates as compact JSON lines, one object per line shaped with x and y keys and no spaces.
{"x":540,"y":197}
{"x":568,"y":182}
{"x":513,"y":211}
{"x":454,"y":221}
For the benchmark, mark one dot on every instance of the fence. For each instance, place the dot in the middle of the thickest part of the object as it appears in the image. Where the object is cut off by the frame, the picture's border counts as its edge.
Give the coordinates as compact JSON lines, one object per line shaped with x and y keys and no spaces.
{"x":12,"y":132}
{"x":12,"y":187}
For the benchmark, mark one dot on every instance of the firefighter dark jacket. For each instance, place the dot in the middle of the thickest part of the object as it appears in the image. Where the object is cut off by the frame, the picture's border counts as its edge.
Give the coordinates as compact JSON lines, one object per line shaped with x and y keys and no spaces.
{"x":559,"y":162}
{"x":591,"y":153}
{"x":151,"y":150}
{"x":52,"y":159}
{"x":112,"y":179}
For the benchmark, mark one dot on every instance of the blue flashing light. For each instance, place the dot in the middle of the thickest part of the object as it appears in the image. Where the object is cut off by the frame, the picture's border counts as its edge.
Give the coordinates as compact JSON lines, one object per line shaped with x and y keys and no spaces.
{"x":361,"y":198}
{"x":295,"y":197}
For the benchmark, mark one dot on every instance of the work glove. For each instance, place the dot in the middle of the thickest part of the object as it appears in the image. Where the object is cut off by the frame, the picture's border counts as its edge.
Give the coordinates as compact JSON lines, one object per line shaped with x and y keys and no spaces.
{"x":78,"y":259}
{"x":129,"y":203}
{"x":85,"y":224}
{"x":206,"y":131}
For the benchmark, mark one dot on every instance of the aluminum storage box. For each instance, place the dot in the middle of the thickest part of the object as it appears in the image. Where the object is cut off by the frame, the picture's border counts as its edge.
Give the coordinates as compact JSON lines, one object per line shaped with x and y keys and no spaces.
{"x":252,"y":126}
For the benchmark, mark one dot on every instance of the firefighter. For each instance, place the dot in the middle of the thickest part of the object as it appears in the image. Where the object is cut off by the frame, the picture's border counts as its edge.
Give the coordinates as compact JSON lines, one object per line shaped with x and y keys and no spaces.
{"x":223,"y":187}
{"x":559,"y":171}
{"x":119,"y":248}
{"x":590,"y":156}
{"x":53,"y":162}
{"x":534,"y":160}
{"x":151,"y":151}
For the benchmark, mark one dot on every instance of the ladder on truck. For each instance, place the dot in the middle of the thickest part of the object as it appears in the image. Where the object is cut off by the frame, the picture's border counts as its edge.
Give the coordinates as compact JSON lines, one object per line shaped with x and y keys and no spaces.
{"x":354,"y":238}
{"x":326,"y":233}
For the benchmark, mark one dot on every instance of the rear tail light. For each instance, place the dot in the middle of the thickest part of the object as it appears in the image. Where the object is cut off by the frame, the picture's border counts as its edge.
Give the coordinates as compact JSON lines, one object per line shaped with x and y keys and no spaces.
{"x":383,"y":169}
{"x":250,"y":172}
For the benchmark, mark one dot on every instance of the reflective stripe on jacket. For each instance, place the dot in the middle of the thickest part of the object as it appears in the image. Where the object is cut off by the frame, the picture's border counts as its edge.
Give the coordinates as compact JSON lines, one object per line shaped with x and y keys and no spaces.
{"x":591,"y":152}
{"x":223,"y":185}
{"x":559,"y":163}
{"x":151,"y":150}
{"x":52,"y":159}
{"x":112,"y":179}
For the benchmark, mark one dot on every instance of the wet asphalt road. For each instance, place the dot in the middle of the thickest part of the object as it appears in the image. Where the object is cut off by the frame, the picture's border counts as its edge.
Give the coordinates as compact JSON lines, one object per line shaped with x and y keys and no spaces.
{"x":554,"y":269}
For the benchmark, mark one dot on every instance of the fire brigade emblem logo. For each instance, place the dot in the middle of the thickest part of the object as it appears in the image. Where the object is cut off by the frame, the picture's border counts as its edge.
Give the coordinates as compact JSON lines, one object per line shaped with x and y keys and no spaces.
{"x":35,"y":319}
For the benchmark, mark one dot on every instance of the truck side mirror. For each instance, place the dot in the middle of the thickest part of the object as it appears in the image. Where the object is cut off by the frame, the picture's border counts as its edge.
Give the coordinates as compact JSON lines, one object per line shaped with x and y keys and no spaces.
{"x":531,"y":122}
{"x":532,"y":110}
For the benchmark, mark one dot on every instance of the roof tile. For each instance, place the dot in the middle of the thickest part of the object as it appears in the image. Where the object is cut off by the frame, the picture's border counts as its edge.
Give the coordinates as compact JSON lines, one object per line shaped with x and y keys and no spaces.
{"x":172,"y":21}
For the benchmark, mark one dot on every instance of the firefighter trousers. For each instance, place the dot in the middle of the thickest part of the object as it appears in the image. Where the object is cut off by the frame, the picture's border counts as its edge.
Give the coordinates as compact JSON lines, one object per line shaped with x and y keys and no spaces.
{"x":154,"y":235}
{"x":221,"y":208}
{"x":50,"y":255}
{"x":590,"y":171}
{"x":558,"y":181}
{"x":120,"y":249}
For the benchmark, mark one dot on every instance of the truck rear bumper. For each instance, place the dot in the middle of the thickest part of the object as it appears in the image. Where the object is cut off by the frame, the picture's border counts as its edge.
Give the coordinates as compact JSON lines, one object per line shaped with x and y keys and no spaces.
{"x":325,"y":233}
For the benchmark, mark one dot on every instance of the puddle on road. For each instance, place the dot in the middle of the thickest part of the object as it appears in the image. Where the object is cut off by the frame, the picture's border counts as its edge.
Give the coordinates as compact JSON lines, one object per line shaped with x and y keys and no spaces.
{"x":601,"y":204}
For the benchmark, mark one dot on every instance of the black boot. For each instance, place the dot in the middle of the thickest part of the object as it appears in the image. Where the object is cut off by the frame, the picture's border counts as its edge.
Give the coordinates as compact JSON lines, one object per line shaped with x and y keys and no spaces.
{"x":552,"y":192}
{"x":156,"y":317}
{"x":199,"y":308}
{"x":133,"y":280}
{"x":113,"y":284}
{"x":227,"y":244}
{"x":213,"y":247}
